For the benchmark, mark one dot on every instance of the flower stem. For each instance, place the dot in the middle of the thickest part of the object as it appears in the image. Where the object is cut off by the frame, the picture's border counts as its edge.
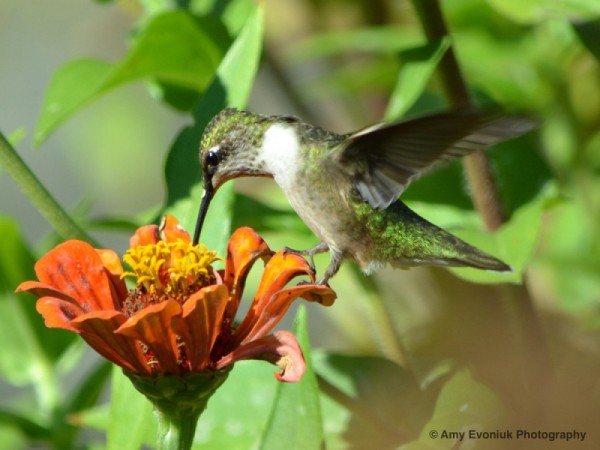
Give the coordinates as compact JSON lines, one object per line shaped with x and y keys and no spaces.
{"x":38,"y":194}
{"x":175,"y":431}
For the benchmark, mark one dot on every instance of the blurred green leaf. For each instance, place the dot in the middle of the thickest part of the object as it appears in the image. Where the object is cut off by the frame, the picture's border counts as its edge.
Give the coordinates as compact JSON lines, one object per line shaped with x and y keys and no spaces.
{"x":463,"y":405}
{"x":238,"y":412}
{"x":390,"y":39}
{"x":533,"y":11}
{"x":173,"y":47}
{"x":131,"y":422}
{"x":589,"y":34}
{"x":34,"y":350}
{"x":231,"y":87}
{"x":418,"y":66}
{"x":385,"y":404}
{"x":296,"y":420}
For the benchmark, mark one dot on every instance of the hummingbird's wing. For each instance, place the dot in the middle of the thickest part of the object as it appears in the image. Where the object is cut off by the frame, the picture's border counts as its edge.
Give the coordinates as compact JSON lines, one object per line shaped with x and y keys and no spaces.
{"x":382,"y":160}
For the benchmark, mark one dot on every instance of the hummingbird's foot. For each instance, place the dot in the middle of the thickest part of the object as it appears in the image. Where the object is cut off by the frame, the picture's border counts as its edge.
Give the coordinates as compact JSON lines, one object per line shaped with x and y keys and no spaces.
{"x":310,"y":253}
{"x":334,"y":265}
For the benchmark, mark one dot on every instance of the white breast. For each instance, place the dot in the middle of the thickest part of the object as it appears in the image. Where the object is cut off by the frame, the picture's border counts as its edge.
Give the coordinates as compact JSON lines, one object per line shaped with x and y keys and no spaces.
{"x":280,"y":153}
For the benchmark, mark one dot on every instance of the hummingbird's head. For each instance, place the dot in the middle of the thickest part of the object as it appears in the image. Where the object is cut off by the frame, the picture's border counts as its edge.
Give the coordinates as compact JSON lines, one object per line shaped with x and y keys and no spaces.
{"x":229,"y":149}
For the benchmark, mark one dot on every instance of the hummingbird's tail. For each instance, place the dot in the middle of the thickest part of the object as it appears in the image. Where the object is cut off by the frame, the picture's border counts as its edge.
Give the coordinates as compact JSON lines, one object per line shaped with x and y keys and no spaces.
{"x":407,"y":239}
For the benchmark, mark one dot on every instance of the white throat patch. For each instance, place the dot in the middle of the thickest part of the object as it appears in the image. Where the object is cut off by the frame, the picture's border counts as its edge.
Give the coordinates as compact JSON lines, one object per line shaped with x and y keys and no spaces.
{"x":280,"y":153}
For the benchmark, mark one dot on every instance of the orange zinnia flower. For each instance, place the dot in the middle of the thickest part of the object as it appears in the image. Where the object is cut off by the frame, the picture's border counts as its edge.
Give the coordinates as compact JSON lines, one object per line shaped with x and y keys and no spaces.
{"x":179,"y":319}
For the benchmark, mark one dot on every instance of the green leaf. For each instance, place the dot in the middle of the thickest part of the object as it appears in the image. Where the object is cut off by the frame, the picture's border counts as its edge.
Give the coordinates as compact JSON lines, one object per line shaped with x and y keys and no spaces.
{"x":391,"y":39}
{"x":418,"y":68}
{"x":534,"y":11}
{"x":296,"y":421}
{"x":173,"y":47}
{"x":463,"y":405}
{"x":383,"y":404}
{"x":35,"y":350}
{"x":513,"y":242}
{"x":589,"y":34}
{"x":238,"y":412}
{"x":231,"y":87}
{"x":131,"y":421}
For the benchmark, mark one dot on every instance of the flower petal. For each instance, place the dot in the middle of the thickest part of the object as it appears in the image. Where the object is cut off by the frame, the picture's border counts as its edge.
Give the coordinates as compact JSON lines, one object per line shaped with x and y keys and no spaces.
{"x":75,"y":269}
{"x":148,"y":234}
{"x":114,"y":270}
{"x":154,"y":327}
{"x":244,"y":248}
{"x":269,"y":313}
{"x":58,"y":313}
{"x":280,"y":348}
{"x":280,"y":269}
{"x":98,"y":330}
{"x":201,"y":325}
{"x":171,"y":231}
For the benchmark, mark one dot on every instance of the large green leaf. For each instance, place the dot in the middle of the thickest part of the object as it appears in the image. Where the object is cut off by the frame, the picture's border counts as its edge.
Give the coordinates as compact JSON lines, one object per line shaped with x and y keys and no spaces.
{"x":296,"y":420}
{"x":231,"y":87}
{"x":131,"y":422}
{"x":463,"y":405}
{"x":173,"y":48}
{"x":34,"y":351}
{"x":533,"y":11}
{"x":418,"y":66}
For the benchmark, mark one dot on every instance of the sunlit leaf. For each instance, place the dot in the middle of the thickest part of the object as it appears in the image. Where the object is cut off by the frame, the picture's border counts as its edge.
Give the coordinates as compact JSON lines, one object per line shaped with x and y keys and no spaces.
{"x":173,"y":47}
{"x":296,"y":420}
{"x":418,"y":66}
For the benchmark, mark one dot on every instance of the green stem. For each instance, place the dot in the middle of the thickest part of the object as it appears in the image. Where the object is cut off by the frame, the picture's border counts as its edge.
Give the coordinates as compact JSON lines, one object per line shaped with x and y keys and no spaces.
{"x":48,"y":207}
{"x":483,"y":187}
{"x":175,"y":431}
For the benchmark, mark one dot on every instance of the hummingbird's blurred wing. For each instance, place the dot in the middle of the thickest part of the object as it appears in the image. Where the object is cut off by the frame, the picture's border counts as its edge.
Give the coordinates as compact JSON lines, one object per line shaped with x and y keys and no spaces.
{"x":382,"y":160}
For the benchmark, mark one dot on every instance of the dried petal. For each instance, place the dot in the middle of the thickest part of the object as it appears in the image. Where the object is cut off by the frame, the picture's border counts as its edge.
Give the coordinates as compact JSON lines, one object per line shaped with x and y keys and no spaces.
{"x":280,"y":348}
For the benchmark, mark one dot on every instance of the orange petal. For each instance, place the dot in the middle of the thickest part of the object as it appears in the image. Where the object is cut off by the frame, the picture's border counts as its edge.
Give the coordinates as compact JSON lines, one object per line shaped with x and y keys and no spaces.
{"x":280,"y":269}
{"x":148,"y":234}
{"x":280,"y":348}
{"x":75,"y":269}
{"x":201,"y":325}
{"x":244,"y":248}
{"x":171,"y":231}
{"x":273,"y":309}
{"x":114,"y":269}
{"x":98,"y":330}
{"x":153,"y":326}
{"x":57,"y":312}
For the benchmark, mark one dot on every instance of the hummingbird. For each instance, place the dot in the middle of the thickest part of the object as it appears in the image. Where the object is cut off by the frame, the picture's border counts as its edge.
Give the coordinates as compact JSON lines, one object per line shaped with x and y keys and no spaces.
{"x":346,"y":187}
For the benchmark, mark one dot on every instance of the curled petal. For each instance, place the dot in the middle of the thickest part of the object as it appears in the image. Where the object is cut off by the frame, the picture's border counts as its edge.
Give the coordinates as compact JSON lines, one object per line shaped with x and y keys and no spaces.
{"x":171,"y":231}
{"x":244,"y":248}
{"x":75,"y":269}
{"x":148,"y":234}
{"x":153,"y":327}
{"x":114,"y":270}
{"x":280,"y":348}
{"x":270,"y":312}
{"x":280,"y":269}
{"x":201,"y":324}
{"x":98,"y":330}
{"x":58,"y":313}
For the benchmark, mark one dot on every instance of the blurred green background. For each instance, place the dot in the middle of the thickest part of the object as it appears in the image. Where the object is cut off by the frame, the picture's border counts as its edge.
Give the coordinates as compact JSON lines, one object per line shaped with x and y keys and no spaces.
{"x":526,"y":346}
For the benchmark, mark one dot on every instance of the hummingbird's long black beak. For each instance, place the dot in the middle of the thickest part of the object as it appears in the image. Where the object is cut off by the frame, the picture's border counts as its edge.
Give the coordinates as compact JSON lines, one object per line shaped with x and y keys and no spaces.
{"x":206,"y":198}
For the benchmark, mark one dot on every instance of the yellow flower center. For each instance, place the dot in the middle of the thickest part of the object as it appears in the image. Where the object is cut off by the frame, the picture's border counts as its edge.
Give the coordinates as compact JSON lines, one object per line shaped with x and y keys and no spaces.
{"x":171,"y":269}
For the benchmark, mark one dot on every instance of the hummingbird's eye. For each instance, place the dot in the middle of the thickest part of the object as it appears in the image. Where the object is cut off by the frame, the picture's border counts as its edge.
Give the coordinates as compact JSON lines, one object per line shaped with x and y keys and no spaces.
{"x":212,"y":159}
